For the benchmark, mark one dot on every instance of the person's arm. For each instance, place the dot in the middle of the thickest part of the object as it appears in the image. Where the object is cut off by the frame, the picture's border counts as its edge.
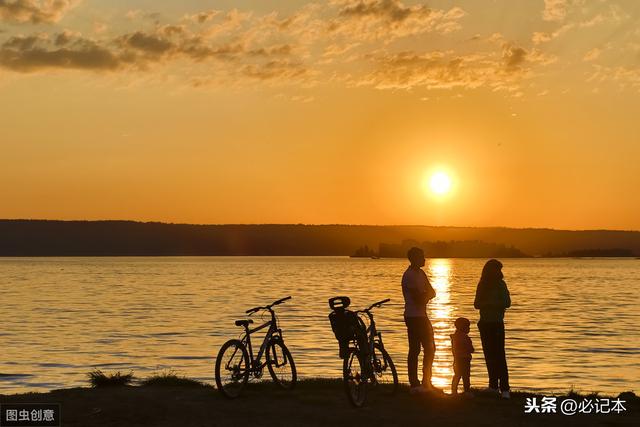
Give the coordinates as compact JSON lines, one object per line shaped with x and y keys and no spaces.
{"x":454,"y":346}
{"x":416,"y":289}
{"x":506,"y":295}
{"x":470,"y":346}
{"x":480,"y":302}
{"x":476,"y":300}
{"x":430,"y":292}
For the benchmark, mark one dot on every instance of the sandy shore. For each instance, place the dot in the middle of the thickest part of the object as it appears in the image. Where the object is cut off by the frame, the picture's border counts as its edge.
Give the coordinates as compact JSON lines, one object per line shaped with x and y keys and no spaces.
{"x":312,"y":403}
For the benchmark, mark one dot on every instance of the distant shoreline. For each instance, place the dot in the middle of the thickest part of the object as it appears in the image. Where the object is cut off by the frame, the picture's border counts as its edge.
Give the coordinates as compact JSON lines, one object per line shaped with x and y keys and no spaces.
{"x":41,"y":238}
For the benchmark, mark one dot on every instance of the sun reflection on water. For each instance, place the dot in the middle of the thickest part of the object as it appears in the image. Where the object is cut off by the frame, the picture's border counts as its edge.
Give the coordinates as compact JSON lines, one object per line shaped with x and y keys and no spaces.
{"x":441,"y":316}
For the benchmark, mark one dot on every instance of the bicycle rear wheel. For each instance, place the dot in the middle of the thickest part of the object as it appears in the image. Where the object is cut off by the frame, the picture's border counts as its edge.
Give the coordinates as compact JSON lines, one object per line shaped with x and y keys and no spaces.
{"x":232,"y":368}
{"x":384,"y":370}
{"x":281,"y":365}
{"x":355,"y":383}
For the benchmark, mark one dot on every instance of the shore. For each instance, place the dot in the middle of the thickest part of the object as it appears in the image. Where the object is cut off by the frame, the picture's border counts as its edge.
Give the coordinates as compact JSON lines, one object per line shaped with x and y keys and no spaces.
{"x":313,"y":403}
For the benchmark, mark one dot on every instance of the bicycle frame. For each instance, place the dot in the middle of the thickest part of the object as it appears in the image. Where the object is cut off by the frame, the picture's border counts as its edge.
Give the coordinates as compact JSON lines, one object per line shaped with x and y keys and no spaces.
{"x":372,"y":333}
{"x":274,"y":333}
{"x":373,"y":337}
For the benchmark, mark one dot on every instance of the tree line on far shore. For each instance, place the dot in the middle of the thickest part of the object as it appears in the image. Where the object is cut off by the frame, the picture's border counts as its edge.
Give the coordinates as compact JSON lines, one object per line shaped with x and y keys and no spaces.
{"x":443,"y":249}
{"x":130,"y":238}
{"x":476,"y":249}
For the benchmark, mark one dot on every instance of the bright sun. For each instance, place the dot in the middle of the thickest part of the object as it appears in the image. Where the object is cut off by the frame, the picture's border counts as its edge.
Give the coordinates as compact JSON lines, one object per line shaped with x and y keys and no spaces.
{"x":440,"y":183}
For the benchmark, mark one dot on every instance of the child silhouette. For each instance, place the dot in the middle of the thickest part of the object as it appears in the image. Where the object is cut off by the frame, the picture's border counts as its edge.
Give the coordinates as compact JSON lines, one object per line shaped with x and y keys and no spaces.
{"x":462,"y":348}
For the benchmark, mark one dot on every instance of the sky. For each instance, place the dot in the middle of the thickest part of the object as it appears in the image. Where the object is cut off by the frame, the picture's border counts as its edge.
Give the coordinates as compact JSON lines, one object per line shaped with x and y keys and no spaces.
{"x":323,"y":112}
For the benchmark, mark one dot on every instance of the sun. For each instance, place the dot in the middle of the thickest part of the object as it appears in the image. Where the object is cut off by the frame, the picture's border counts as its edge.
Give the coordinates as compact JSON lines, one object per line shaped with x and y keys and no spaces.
{"x":440,"y":183}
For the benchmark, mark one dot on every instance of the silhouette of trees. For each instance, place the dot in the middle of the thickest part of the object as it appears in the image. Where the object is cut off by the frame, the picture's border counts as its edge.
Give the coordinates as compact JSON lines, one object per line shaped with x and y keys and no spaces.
{"x":452,"y":249}
{"x":122,"y":238}
{"x":364,"y":252}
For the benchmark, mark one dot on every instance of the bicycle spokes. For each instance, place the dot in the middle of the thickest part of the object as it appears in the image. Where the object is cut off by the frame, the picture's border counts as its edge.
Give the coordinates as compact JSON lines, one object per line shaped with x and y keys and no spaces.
{"x":235,"y":367}
{"x":232,"y":368}
{"x":280,"y":365}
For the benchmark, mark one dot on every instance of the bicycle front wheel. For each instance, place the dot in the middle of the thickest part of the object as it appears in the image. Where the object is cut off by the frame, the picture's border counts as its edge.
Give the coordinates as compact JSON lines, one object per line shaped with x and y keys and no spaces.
{"x":355,"y":382}
{"x":281,"y":365}
{"x":384,"y":369}
{"x":232,"y":368}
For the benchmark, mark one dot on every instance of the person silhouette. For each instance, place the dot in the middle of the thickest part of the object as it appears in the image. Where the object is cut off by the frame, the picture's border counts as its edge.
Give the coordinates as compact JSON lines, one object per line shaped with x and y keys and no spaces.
{"x":461,"y":347}
{"x":492,"y":299}
{"x":417,"y":292}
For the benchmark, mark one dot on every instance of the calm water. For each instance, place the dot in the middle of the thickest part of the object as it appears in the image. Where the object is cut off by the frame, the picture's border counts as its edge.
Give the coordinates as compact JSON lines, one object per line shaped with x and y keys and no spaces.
{"x":573,"y":321}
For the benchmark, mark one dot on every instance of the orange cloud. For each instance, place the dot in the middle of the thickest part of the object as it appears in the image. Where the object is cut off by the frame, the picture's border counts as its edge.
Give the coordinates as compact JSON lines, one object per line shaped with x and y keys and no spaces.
{"x":34,"y":11}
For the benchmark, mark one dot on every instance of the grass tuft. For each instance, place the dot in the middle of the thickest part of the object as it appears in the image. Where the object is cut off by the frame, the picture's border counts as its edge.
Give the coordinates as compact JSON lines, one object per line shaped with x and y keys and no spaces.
{"x":170,"y":379}
{"x":97,"y":378}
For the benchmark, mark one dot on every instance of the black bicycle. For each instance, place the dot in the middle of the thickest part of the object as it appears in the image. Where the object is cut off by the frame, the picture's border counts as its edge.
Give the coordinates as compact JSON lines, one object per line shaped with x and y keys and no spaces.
{"x":235,"y":361}
{"x":365,"y":360}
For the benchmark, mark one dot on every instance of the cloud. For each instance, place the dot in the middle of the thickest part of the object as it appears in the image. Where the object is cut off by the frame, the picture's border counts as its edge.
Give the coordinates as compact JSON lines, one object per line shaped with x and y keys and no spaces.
{"x":389,"y":10}
{"x":202,"y":17}
{"x":555,"y":10}
{"x":389,"y":19}
{"x":592,"y":54}
{"x":431,"y":70}
{"x":544,"y":37}
{"x":280,"y":69}
{"x":140,"y":50}
{"x":357,"y":42}
{"x":148,"y":43}
{"x":513,"y":57}
{"x":498,"y":70}
{"x":34,"y":11}
{"x":32,"y":53}
{"x":623,"y":76}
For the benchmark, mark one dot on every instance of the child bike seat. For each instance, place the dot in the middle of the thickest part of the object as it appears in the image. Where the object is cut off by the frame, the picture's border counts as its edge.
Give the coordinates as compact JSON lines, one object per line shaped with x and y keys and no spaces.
{"x":339,"y":302}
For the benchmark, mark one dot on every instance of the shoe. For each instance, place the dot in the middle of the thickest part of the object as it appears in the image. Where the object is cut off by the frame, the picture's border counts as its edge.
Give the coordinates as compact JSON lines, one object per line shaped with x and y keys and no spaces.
{"x":506,"y":395}
{"x":418,"y":390}
{"x":491,"y":390}
{"x":468,"y":395}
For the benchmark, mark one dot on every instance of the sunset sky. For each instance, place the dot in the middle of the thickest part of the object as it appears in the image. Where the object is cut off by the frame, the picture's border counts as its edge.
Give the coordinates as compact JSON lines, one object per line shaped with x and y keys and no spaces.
{"x":253,"y":111}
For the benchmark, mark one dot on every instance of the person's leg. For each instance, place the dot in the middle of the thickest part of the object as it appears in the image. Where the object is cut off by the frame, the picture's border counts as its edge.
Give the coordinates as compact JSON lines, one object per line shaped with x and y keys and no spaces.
{"x":502,"y":371}
{"x":429,"y":351}
{"x":487,"y":337}
{"x":466,"y":374}
{"x":454,"y":383}
{"x":414,"y":351}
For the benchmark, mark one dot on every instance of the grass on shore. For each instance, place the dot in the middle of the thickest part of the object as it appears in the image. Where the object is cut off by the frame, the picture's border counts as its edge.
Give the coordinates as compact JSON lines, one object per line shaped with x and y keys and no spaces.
{"x":170,"y":379}
{"x":97,"y":378}
{"x":166,"y":399}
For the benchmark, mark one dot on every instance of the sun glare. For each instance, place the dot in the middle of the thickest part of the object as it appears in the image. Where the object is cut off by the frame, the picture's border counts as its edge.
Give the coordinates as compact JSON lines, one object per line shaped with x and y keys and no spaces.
{"x":440,"y":183}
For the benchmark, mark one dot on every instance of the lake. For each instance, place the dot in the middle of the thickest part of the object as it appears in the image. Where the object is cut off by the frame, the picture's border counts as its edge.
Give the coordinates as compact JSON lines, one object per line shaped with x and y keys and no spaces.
{"x":573,"y":322}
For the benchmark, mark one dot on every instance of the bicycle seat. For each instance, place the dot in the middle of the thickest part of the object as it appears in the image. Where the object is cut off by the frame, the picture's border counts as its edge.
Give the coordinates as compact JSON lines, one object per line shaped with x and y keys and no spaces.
{"x":243,"y":322}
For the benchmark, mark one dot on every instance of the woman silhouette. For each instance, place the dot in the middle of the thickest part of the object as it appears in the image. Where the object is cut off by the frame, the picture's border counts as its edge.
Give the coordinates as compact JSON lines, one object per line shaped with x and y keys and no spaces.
{"x":492,"y":298}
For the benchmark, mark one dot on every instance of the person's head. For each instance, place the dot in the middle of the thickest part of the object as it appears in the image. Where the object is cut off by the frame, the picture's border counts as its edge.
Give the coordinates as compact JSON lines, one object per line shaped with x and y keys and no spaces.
{"x":492,"y":271}
{"x":462,"y":325}
{"x":416,"y":257}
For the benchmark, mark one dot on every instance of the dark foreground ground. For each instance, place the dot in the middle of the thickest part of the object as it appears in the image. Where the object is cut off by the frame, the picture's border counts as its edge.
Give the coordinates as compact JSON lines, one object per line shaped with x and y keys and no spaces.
{"x":312,"y":403}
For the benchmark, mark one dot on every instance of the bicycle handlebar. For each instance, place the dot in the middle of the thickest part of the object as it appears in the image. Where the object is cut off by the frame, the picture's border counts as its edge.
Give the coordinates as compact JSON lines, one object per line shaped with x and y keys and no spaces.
{"x":378,"y":304}
{"x":267,"y":307}
{"x":280,"y":301}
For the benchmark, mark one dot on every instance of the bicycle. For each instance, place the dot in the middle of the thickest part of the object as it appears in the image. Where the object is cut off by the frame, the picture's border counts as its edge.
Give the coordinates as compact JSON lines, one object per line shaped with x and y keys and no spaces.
{"x":369,"y":365}
{"x":235,"y":363}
